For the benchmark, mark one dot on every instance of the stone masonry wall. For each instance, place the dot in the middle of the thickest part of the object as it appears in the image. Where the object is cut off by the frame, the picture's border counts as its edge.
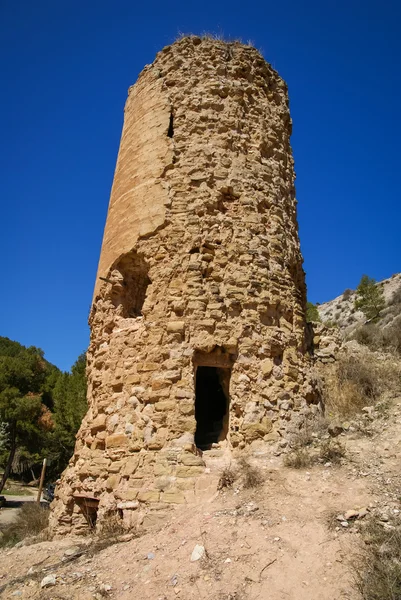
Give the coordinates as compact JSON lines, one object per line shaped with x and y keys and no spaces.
{"x":201,"y":265}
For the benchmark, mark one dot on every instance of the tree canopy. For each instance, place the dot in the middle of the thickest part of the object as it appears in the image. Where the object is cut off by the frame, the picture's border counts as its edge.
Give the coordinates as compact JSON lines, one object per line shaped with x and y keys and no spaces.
{"x":70,"y":405}
{"x":312,"y":313}
{"x":369,"y":298}
{"x":41,"y":409}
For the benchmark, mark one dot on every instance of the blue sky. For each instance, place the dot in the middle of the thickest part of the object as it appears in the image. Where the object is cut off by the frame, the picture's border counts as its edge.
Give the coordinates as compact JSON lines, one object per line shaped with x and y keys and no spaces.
{"x":65,"y":69}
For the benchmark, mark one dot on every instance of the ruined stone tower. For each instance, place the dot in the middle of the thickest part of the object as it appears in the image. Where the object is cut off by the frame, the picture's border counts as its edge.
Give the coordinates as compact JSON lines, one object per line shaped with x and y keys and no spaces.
{"x":197,"y":323}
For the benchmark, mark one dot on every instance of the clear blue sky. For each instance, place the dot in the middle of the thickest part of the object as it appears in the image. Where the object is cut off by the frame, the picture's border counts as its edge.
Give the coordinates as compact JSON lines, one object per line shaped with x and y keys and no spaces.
{"x":65,"y":68}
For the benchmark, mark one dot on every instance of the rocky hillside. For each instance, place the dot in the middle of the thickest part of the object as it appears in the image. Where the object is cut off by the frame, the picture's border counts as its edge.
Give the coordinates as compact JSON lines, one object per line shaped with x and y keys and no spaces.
{"x":341,"y":310}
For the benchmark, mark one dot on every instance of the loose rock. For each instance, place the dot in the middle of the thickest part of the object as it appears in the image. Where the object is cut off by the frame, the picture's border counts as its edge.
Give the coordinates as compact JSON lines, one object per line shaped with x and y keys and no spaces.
{"x":48,"y":581}
{"x":197,"y":552}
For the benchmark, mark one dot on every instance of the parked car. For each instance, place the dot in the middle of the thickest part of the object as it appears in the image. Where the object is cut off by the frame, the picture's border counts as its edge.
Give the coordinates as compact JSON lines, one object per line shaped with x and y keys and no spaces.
{"x":48,"y":492}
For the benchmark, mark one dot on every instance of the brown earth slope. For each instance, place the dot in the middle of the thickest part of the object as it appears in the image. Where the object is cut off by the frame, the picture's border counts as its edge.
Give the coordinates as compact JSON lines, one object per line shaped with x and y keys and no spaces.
{"x":280,"y":540}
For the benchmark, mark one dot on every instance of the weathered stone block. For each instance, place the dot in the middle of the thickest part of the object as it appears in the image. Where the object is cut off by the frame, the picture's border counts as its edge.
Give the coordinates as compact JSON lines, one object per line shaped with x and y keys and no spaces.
{"x":116,"y":466}
{"x":149,"y":496}
{"x":112,"y":482}
{"x":130,"y":465}
{"x":267,"y":366}
{"x":186,"y":408}
{"x":163,"y":469}
{"x":176,"y":326}
{"x":173,"y":497}
{"x":165,"y":405}
{"x":132,"y":378}
{"x":128,"y":505}
{"x":146,"y":367}
{"x":191,"y":460}
{"x":117,"y":440}
{"x":253,"y":431}
{"x":98,"y":423}
{"x":128,"y":495}
{"x":160,"y":384}
{"x":184,"y":471}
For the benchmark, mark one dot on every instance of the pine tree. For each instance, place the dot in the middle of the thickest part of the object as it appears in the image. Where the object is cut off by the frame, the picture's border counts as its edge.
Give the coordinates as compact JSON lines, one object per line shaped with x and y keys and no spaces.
{"x":369,"y":298}
{"x":312,"y":313}
{"x":22,"y":375}
{"x":70,"y":406}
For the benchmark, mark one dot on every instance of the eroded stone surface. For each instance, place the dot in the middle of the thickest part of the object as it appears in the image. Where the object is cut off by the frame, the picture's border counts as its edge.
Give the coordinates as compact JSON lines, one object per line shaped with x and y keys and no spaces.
{"x":202,"y":267}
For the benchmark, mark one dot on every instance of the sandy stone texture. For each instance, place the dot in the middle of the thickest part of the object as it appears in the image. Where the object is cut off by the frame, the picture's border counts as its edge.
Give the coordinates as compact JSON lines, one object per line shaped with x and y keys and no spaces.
{"x":200,"y":268}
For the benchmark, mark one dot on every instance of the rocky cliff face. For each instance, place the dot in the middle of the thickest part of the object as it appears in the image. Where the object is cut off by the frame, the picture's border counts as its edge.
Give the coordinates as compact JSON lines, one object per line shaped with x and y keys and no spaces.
{"x":197,"y":324}
{"x":341,"y":310}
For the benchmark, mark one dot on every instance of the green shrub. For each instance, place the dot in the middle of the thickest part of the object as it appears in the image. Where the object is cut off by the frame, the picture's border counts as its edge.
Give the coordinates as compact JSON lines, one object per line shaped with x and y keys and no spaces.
{"x":312,"y":313}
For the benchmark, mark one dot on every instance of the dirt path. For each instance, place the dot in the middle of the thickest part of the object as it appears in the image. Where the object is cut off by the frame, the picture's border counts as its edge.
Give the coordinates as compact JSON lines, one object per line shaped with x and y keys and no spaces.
{"x":272,"y":542}
{"x":13,"y":504}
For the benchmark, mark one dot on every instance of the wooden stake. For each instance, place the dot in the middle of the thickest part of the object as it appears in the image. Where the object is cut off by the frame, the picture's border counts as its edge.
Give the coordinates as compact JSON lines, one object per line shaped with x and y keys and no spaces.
{"x":42,"y":478}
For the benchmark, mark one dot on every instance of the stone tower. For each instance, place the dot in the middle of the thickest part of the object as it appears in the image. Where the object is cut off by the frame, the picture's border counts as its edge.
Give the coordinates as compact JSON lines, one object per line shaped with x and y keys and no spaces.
{"x":198,"y":316}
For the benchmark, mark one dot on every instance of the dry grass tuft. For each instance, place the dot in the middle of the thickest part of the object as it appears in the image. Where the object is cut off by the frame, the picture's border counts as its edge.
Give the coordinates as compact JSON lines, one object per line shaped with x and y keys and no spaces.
{"x":32,"y":519}
{"x":357,"y":381}
{"x":299,"y":458}
{"x":111,"y":528}
{"x":303,"y":457}
{"x":377,"y":568}
{"x":332,"y":451}
{"x":217,"y":37}
{"x":250,"y":475}
{"x":331,"y":519}
{"x":227,"y":478}
{"x":313,"y":427}
{"x":386,"y":338}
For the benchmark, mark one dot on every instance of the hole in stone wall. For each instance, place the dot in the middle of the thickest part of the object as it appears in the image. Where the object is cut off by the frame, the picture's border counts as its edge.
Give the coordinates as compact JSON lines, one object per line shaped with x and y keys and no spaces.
{"x":211,"y":405}
{"x":227,"y":201}
{"x":170,"y":131}
{"x":89,"y":507}
{"x":130,"y":291}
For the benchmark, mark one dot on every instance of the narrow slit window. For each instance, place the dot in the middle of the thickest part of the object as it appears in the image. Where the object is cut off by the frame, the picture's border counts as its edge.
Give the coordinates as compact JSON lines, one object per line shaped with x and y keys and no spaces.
{"x":170,"y":131}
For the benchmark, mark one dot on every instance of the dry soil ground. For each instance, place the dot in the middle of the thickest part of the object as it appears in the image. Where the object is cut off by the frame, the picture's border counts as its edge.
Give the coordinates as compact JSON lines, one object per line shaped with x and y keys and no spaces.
{"x":273,"y":542}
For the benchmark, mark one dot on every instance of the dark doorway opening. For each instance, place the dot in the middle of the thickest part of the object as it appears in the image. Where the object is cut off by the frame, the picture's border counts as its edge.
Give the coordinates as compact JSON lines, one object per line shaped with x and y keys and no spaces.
{"x":211,"y":405}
